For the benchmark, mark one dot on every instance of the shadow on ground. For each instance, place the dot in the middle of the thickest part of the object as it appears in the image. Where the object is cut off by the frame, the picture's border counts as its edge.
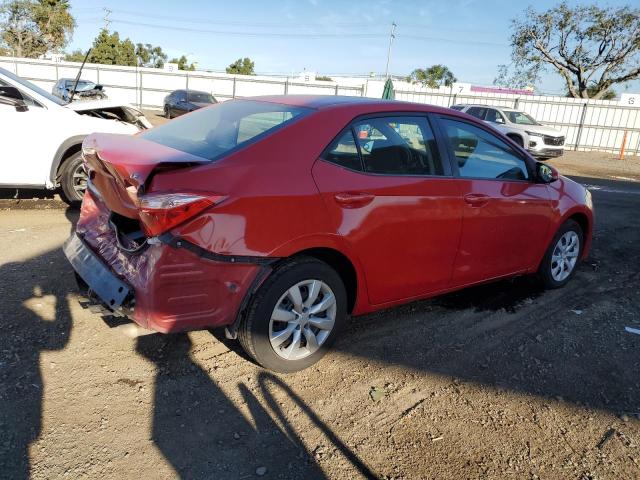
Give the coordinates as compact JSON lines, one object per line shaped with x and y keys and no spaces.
{"x":568,"y":343}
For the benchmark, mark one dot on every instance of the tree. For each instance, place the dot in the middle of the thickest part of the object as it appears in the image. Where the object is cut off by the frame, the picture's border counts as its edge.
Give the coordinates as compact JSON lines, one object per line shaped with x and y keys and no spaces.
{"x":108,"y":49}
{"x":242,"y":66}
{"x":508,"y":78}
{"x":31,"y":28}
{"x":75,"y":56}
{"x":182,"y":63}
{"x":149,"y":56}
{"x":433,"y":77}
{"x":589,"y":46}
{"x":591,"y":91}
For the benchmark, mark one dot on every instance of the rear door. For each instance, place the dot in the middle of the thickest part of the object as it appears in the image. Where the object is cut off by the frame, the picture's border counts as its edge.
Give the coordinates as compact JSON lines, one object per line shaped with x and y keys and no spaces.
{"x":506,"y":214}
{"x":393,"y":199}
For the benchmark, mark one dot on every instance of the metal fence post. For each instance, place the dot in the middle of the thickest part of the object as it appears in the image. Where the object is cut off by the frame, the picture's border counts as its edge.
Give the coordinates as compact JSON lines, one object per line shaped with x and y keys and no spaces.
{"x":233,"y":93}
{"x":336,"y":89}
{"x":286,"y":86}
{"x":187,"y":80}
{"x":580,"y":126}
{"x":516,"y":102}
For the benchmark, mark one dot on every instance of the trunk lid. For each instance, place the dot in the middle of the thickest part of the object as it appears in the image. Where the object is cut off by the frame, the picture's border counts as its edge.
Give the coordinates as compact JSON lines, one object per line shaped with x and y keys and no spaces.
{"x":120,"y":167}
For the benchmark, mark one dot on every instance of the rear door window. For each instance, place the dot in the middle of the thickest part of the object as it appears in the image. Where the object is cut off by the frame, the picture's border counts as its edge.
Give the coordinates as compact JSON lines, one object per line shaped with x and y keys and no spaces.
{"x":344,"y":152}
{"x":398,"y":146}
{"x":494,"y":116}
{"x":478,"y":112}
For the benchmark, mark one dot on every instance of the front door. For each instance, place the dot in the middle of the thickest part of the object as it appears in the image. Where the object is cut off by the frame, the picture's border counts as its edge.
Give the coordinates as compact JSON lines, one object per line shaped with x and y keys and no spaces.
{"x":506,"y":214}
{"x":25,"y":149}
{"x":394,"y":201}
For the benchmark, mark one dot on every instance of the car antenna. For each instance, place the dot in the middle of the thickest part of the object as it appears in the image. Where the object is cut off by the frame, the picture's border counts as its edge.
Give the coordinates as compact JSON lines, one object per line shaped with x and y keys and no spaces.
{"x":75,"y":84}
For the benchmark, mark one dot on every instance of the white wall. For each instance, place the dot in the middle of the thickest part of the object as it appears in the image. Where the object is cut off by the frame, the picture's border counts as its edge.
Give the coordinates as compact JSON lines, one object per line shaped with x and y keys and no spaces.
{"x":601,"y":126}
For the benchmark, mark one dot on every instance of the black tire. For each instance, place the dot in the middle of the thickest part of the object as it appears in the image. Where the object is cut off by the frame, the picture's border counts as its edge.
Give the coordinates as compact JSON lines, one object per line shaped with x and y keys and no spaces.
{"x":253,"y":332}
{"x":69,"y":193}
{"x":167,"y":114}
{"x":517,"y":139}
{"x":544,"y":271}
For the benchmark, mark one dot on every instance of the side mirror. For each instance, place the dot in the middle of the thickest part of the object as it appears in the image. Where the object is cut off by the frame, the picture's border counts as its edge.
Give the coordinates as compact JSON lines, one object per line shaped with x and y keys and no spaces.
{"x":546,"y":173}
{"x":16,"y":103}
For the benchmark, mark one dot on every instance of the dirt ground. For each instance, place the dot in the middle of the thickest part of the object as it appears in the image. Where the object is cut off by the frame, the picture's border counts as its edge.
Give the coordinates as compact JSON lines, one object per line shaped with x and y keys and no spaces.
{"x":499,"y":381}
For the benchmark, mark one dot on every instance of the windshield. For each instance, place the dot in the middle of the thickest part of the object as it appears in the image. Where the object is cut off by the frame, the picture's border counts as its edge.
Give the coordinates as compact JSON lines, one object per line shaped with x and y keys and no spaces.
{"x":200,"y":97}
{"x":215,"y":131}
{"x":520,"y":118}
{"x":82,"y":85}
{"x":30,"y":86}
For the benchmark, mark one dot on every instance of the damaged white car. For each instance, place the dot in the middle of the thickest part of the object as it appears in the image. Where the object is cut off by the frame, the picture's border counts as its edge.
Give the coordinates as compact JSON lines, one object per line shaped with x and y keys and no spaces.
{"x":42,"y":135}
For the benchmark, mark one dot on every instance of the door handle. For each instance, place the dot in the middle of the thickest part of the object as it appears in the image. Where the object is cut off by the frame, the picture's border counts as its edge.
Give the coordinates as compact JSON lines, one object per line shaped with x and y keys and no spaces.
{"x":354,"y":199}
{"x":476,"y":199}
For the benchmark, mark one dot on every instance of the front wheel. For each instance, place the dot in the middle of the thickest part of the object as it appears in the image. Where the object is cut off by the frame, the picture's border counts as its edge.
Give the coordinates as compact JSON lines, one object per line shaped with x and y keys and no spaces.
{"x":563,"y":255}
{"x":167,"y":114}
{"x":295,"y":316}
{"x":73,"y":179}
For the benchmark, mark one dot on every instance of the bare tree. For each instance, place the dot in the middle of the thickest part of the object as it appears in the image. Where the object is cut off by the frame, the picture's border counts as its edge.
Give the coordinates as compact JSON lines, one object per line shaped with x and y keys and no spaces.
{"x":593,"y":48}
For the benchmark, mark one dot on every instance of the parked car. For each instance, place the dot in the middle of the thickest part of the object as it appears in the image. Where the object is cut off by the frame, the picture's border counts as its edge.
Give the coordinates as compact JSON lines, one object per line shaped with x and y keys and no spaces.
{"x":180,"y":102}
{"x":277,"y":217}
{"x":42,"y":135}
{"x":541,"y":141}
{"x":85,"y":90}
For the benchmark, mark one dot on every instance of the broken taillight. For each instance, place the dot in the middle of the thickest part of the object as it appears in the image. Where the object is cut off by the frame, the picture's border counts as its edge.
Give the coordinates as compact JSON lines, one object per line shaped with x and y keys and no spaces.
{"x":160,"y":212}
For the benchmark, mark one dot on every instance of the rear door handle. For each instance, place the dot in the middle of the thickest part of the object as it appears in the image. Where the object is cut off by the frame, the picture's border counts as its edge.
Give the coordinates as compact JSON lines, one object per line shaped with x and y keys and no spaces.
{"x":476,"y":199}
{"x":354,"y":199}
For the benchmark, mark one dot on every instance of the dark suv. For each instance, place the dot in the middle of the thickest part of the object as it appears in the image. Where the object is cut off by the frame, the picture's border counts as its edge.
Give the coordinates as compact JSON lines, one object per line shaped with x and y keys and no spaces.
{"x":180,"y":102}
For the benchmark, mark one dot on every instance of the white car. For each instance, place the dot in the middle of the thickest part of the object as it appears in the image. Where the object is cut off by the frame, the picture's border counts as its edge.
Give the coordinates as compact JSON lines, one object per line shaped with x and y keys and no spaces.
{"x":540,"y":140}
{"x":42,"y":135}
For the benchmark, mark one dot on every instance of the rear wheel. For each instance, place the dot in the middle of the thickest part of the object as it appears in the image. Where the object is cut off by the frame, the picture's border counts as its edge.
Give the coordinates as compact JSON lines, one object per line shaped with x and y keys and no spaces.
{"x":73,"y":179}
{"x":295,"y":316}
{"x":563,"y":255}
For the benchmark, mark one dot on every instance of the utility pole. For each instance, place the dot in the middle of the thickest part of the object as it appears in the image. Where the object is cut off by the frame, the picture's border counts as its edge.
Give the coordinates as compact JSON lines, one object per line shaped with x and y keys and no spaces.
{"x":107,"y":22}
{"x":391,"y":37}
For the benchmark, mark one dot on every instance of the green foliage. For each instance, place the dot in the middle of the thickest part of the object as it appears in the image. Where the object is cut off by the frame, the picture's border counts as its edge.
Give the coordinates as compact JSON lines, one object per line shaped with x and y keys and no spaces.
{"x":75,"y":56}
{"x":150,"y":56}
{"x":518,"y":78}
{"x":183,"y":63}
{"x":433,"y":77}
{"x":242,"y":66}
{"x":108,"y":49}
{"x":591,"y":47}
{"x":30,"y":28}
{"x":324,"y":78}
{"x":592,"y":92}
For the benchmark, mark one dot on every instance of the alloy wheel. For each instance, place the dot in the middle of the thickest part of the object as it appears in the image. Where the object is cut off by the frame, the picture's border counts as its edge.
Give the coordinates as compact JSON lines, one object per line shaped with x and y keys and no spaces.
{"x":565,"y":256}
{"x":302,"y":319}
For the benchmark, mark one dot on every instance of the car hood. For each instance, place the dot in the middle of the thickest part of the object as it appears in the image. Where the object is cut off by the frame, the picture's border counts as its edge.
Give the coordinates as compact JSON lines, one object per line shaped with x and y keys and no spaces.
{"x":97,"y":104}
{"x":541,"y":129}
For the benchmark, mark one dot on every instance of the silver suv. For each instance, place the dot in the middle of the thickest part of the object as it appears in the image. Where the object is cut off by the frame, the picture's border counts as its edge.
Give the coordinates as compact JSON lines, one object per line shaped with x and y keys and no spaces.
{"x":540,"y":140}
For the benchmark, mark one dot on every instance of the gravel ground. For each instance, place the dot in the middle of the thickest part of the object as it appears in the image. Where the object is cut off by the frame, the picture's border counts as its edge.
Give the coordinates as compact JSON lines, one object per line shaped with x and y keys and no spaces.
{"x":499,"y":381}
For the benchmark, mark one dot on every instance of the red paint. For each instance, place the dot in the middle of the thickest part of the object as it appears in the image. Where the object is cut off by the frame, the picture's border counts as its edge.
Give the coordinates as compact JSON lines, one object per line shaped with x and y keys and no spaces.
{"x":406,"y":237}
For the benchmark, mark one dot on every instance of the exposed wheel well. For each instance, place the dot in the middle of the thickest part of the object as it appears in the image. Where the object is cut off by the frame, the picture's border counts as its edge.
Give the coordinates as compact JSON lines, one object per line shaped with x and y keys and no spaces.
{"x":582,"y":220}
{"x":73,"y":149}
{"x":341,"y":264}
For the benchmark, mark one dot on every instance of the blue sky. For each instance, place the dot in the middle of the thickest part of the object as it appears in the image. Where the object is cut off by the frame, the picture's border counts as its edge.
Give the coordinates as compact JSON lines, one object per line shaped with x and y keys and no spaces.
{"x":471,"y":37}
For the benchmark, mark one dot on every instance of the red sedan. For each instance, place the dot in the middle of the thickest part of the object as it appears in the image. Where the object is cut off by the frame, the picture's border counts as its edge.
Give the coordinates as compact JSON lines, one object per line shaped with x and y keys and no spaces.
{"x":277,"y":217}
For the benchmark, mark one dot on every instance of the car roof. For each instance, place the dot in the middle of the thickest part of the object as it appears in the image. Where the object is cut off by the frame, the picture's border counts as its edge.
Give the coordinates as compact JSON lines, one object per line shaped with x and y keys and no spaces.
{"x":320,"y":102}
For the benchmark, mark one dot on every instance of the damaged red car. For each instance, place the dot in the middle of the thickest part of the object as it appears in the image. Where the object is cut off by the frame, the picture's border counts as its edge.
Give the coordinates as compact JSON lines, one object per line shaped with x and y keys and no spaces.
{"x":278,"y":217}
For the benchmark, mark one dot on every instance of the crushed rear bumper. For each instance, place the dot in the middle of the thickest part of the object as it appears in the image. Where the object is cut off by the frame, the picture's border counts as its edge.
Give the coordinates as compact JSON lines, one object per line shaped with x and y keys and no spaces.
{"x":166,"y":287}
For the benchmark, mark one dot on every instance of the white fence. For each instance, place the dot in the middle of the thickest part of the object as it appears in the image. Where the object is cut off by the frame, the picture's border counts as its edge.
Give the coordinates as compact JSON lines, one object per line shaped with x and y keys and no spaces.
{"x":587,"y":124}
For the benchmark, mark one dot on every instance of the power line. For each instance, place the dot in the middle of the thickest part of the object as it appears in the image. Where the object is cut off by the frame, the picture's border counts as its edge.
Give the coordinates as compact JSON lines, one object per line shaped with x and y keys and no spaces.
{"x":248,"y":34}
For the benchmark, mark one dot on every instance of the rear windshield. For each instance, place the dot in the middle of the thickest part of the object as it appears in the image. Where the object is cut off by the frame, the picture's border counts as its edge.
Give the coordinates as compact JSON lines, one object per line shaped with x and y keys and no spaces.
{"x":214,"y":131}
